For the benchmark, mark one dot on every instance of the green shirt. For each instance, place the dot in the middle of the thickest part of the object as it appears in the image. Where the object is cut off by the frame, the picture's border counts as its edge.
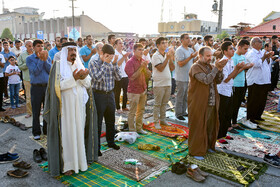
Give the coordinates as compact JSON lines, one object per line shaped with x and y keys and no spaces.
{"x":22,"y":66}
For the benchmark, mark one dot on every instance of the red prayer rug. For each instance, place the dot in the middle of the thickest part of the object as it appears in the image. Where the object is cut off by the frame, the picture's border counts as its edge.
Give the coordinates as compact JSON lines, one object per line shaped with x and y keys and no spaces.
{"x":170,"y":131}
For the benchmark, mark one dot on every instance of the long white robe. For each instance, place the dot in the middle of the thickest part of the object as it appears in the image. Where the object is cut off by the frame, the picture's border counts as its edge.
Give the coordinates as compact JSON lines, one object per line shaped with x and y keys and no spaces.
{"x":73,"y":116}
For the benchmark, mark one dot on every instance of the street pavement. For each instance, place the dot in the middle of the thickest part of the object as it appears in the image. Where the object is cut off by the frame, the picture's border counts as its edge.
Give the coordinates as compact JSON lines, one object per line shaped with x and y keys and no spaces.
{"x":13,"y":139}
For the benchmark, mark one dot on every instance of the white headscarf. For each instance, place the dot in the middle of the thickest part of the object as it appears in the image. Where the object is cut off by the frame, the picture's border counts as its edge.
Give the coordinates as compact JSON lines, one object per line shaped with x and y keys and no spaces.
{"x":65,"y":69}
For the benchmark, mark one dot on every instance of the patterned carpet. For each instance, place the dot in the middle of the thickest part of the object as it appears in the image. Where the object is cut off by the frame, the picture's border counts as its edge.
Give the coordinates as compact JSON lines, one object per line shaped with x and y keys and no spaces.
{"x":115,"y":160}
{"x":230,"y":167}
{"x":272,"y":121}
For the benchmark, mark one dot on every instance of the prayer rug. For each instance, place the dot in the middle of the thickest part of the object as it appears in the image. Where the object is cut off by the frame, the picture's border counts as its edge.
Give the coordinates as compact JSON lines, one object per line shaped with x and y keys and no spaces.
{"x":260,"y":135}
{"x":171,"y":131}
{"x":13,"y":112}
{"x":171,"y":149}
{"x":271,"y":102}
{"x":42,"y":142}
{"x":249,"y":146}
{"x":271,"y":123}
{"x":99,"y":175}
{"x":231,"y":167}
{"x":115,"y":160}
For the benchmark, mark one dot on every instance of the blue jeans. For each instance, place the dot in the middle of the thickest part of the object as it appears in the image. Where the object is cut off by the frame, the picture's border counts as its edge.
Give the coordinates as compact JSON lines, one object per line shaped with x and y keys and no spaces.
{"x":14,"y":92}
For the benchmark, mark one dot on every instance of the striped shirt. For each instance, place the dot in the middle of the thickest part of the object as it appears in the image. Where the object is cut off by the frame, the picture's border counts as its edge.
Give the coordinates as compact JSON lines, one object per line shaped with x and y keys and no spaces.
{"x":103,"y":75}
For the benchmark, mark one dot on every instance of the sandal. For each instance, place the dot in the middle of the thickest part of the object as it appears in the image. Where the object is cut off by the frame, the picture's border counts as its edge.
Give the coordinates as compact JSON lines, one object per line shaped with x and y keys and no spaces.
{"x":22,"y":127}
{"x":18,"y":173}
{"x":22,"y":165}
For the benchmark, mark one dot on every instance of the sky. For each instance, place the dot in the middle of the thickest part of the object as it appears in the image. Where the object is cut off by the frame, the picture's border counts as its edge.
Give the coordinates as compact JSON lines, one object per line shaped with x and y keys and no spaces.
{"x":142,"y":16}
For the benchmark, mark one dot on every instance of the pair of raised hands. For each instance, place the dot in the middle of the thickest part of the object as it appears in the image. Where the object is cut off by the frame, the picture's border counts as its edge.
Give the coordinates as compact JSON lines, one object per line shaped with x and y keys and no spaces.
{"x":81,"y":74}
{"x":43,"y":55}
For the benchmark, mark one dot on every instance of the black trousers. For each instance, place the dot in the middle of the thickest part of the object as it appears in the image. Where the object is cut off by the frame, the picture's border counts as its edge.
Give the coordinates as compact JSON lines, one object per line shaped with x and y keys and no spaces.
{"x":1,"y":91}
{"x":6,"y":86}
{"x":257,"y":95}
{"x":122,"y":84}
{"x":225,"y":113}
{"x":105,"y":106}
{"x":173,"y":86}
{"x":237,"y":98}
{"x":37,"y":99}
{"x":274,"y":76}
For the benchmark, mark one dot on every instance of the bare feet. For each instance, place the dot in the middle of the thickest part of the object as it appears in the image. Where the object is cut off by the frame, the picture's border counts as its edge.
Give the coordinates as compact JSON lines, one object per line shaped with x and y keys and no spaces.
{"x":68,"y":173}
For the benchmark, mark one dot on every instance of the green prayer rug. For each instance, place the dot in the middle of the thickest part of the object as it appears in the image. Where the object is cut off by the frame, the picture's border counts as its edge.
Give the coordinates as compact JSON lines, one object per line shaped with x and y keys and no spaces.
{"x":98,"y":175}
{"x":171,"y":149}
{"x":231,"y":167}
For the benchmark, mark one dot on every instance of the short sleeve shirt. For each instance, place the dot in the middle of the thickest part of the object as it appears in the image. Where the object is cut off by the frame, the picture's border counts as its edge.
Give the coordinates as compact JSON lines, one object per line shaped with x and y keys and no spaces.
{"x":160,"y":78}
{"x":182,"y":73}
{"x":13,"y":79}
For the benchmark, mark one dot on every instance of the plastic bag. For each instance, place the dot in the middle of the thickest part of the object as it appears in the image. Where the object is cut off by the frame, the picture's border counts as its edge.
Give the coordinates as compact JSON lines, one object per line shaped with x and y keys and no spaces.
{"x":129,"y":137}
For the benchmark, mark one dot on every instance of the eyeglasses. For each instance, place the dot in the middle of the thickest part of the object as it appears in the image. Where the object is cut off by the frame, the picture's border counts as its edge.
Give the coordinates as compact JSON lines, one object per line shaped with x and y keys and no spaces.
{"x":12,"y":59}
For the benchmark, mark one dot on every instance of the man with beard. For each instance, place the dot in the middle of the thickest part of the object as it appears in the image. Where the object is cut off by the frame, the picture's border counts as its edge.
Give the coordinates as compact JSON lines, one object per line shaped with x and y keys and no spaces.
{"x":203,"y":103}
{"x":69,"y":114}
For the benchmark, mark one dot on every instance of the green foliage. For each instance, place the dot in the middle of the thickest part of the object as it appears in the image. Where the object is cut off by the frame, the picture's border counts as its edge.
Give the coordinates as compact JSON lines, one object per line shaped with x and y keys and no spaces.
{"x":7,"y":34}
{"x":223,"y":35}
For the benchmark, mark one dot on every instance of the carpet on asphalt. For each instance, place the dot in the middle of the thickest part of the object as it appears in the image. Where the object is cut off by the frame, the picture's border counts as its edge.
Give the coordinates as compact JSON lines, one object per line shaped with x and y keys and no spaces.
{"x":231,"y":167}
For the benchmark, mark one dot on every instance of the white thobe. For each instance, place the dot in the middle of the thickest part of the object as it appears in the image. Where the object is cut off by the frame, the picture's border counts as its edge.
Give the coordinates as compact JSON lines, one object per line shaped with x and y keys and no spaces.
{"x":73,"y":117}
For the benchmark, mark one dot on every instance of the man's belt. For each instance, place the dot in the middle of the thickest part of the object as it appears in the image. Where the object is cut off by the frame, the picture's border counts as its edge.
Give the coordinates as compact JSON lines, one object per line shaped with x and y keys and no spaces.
{"x":40,"y":85}
{"x":103,"y":92}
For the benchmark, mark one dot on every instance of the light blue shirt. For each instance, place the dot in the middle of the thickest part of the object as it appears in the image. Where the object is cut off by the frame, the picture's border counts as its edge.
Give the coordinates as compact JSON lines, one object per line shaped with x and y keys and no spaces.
{"x":52,"y":52}
{"x":86,"y":51}
{"x":239,"y":80}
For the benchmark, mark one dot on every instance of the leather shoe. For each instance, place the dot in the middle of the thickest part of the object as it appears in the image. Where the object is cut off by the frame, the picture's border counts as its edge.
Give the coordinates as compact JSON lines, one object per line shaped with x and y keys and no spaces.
{"x":180,"y":118}
{"x":43,"y":154}
{"x":37,"y":156}
{"x":260,"y":119}
{"x":114,"y":146}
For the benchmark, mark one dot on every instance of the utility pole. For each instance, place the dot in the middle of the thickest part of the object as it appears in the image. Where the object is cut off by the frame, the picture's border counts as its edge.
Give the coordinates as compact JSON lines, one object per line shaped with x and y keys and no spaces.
{"x":73,"y":18}
{"x":220,"y":17}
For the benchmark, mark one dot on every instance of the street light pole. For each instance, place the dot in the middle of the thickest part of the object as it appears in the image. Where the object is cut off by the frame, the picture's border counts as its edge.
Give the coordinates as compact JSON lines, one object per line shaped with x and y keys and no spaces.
{"x":220,"y":17}
{"x":73,"y":18}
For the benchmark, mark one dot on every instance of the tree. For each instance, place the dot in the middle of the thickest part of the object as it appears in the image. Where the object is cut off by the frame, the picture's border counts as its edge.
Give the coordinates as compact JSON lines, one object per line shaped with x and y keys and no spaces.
{"x":223,"y":35}
{"x":7,"y":34}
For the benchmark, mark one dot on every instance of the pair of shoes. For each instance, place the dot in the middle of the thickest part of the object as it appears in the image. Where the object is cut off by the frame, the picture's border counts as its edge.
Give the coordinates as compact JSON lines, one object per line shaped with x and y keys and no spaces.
{"x":233,"y":131}
{"x":272,"y":160}
{"x":2,"y":110}
{"x":119,"y":111}
{"x":125,"y":109}
{"x":163,"y":122}
{"x":39,"y":155}
{"x":8,"y":157}
{"x":180,"y":118}
{"x":228,"y":138}
{"x":238,"y":128}
{"x":18,"y":173}
{"x":222,"y":141}
{"x":249,"y":124}
{"x":157,"y":125}
{"x":22,"y":165}
{"x":99,"y":153}
{"x":114,"y":146}
{"x":13,"y":107}
{"x":37,"y":137}
{"x":28,"y":116}
{"x":142,"y":132}
{"x":179,"y":168}
{"x":195,"y":174}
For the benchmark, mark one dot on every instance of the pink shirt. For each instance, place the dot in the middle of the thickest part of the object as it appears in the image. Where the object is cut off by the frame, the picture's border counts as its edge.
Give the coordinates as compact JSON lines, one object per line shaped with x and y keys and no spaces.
{"x":138,"y":85}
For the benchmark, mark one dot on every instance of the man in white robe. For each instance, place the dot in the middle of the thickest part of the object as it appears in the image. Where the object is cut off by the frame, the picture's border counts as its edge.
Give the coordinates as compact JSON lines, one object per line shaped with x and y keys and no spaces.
{"x":74,"y":80}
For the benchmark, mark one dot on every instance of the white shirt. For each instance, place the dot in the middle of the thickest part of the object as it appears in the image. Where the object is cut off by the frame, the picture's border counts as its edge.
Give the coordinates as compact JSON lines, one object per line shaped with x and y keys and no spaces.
{"x":2,"y":59}
{"x":16,"y":51}
{"x":13,"y":79}
{"x":147,"y":58}
{"x":163,"y":78}
{"x":225,"y":89}
{"x":260,"y":72}
{"x":197,"y":46}
{"x":122,"y":66}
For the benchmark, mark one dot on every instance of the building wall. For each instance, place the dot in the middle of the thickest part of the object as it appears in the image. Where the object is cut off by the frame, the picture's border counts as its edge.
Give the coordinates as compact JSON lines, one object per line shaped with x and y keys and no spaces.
{"x":89,"y":26}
